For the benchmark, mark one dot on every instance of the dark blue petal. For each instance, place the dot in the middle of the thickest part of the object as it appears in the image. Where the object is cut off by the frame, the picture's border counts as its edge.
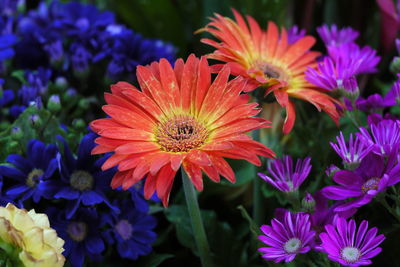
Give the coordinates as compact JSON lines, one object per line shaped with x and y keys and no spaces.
{"x":94,"y":245}
{"x":68,"y":157}
{"x":52,"y":166}
{"x":127,"y":251}
{"x":146,"y":237}
{"x":72,"y":206}
{"x":36,"y":149}
{"x":91,"y":198}
{"x":67,"y":193}
{"x":13,"y":173}
{"x":77,"y":256}
{"x":20,"y":162}
{"x":17,"y":190}
{"x":84,"y":151}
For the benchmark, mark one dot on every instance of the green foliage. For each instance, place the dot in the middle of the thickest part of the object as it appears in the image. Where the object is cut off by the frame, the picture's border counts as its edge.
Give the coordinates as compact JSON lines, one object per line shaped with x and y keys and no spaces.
{"x":34,"y":124}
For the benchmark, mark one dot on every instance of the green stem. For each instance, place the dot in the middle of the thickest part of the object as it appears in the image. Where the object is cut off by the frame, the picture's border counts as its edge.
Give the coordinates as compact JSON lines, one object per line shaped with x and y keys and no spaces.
{"x":257,"y":197}
{"x":196,"y":221}
{"x":392,"y":211}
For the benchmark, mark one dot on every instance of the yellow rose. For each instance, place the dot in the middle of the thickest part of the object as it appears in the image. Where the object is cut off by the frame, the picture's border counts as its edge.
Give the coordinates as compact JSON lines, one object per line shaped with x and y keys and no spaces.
{"x":28,"y":236}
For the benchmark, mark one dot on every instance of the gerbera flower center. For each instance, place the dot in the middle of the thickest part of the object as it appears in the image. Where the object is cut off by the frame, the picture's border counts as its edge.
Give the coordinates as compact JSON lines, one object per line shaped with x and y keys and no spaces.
{"x":77,"y":231}
{"x":292,"y":245}
{"x":271,"y":71}
{"x":81,"y":180}
{"x":371,"y":184}
{"x":181,"y":134}
{"x":124,"y":229}
{"x":350,"y":254}
{"x":34,"y":177}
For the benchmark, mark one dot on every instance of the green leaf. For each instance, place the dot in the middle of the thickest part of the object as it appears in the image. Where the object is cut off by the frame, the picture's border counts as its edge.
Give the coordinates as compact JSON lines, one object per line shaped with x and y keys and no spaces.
{"x":19,"y":75}
{"x":46,"y":131}
{"x":253,"y":227}
{"x":152,"y":260}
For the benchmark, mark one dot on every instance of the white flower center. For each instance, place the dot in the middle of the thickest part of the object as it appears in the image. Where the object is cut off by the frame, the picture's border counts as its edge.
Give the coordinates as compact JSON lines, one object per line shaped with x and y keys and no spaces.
{"x":350,"y":254}
{"x":292,"y":245}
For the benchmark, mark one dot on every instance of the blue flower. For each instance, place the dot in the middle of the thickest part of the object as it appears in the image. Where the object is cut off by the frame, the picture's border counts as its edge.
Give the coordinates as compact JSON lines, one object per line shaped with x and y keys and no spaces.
{"x":131,"y":230}
{"x":7,"y":97}
{"x":36,"y":86}
{"x":6,"y":43}
{"x":82,"y":180}
{"x":81,"y":234}
{"x":128,"y":49}
{"x":33,"y":173}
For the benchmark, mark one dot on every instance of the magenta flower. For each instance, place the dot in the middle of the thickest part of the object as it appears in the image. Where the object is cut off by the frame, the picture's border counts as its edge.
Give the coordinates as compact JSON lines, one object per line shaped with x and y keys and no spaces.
{"x":352,"y":152}
{"x":363,"y":184}
{"x":331,"y":74}
{"x":284,"y":177}
{"x":372,"y":102}
{"x":332,"y":36}
{"x":324,"y":214}
{"x":349,"y":246}
{"x":295,"y":33}
{"x":393,"y":96}
{"x":365,"y":57}
{"x":287,"y":237}
{"x":385,"y":137}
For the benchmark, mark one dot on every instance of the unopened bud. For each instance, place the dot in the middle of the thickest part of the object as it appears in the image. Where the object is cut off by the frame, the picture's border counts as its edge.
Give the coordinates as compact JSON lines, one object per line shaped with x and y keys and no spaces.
{"x":54,"y":104}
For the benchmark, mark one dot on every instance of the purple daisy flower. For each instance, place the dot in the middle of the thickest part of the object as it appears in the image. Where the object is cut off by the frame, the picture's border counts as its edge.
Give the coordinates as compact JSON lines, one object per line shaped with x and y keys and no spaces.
{"x":385,"y":137}
{"x":392,"y":98}
{"x":334,"y":36}
{"x":287,"y":237}
{"x":331,"y":74}
{"x":348,"y":246}
{"x":284,"y":177}
{"x":365,"y":57}
{"x":363,"y":184}
{"x":295,"y":33}
{"x":352,"y":152}
{"x":324,"y":214}
{"x":372,"y":102}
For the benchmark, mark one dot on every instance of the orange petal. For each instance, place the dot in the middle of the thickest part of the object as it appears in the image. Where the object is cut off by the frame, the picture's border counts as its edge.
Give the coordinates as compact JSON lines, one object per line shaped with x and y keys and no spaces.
{"x":203,"y":83}
{"x":100,"y":124}
{"x":129,"y":118}
{"x":223,"y":168}
{"x":165,"y":179}
{"x":144,"y":101}
{"x":290,"y":118}
{"x":194,"y":174}
{"x":169,"y":82}
{"x":176,"y":160}
{"x":152,"y":88}
{"x":137,"y":147}
{"x":198,"y":157}
{"x":215,"y":91}
{"x":150,"y":186}
{"x":126,"y":134}
{"x":118,"y":178}
{"x":159,"y":161}
{"x":112,"y":161}
{"x":211,"y":172}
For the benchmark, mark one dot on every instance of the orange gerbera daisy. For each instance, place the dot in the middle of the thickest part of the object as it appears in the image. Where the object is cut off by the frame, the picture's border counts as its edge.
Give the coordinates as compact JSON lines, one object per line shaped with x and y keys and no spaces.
{"x":179,"y":118}
{"x":266,"y":58}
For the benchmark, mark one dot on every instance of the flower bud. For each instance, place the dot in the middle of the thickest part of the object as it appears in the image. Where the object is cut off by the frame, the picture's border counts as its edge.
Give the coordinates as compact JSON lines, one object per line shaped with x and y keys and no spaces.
{"x":54,"y":104}
{"x":16,"y":133}
{"x":308,"y":203}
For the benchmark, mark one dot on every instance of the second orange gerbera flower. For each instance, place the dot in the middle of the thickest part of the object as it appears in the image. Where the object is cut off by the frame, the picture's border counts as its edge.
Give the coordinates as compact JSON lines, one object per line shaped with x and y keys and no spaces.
{"x":180,"y":118}
{"x":267,"y":59}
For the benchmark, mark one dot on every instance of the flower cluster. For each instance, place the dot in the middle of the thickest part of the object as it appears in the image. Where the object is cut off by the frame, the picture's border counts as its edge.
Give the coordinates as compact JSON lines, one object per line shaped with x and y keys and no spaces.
{"x":345,"y":60}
